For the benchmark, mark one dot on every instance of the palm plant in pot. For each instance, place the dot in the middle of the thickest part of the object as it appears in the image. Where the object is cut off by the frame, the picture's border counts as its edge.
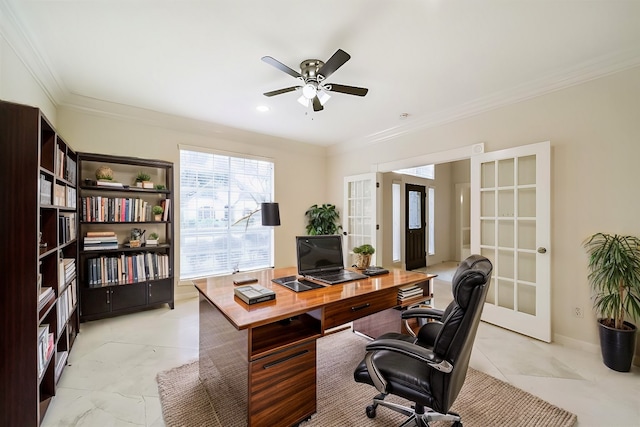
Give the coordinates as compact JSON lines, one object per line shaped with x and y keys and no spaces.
{"x":614,"y":275}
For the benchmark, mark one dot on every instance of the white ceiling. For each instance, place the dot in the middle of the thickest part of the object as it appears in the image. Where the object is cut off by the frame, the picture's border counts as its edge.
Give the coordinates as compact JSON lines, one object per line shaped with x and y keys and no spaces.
{"x":433,"y":59}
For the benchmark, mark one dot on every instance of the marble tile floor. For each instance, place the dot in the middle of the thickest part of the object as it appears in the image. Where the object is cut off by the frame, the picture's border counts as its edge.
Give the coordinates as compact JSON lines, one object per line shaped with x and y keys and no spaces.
{"x":111,"y":377}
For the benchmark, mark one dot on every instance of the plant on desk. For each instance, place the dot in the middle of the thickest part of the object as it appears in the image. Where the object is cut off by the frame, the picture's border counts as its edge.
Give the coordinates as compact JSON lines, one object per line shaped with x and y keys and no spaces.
{"x":363,"y":255}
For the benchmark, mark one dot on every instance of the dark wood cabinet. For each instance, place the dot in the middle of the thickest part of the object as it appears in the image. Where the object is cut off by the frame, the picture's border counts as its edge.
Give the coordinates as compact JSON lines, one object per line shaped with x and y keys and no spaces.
{"x":120,"y":272}
{"x":38,"y":294}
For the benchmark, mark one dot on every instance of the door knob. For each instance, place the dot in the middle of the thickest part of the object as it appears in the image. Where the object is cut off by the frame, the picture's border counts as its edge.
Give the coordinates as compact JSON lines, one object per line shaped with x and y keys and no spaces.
{"x":542,"y":250}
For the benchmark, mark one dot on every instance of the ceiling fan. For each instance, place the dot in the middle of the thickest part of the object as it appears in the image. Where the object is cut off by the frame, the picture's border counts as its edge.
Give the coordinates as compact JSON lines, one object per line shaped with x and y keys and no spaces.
{"x":313,"y":74}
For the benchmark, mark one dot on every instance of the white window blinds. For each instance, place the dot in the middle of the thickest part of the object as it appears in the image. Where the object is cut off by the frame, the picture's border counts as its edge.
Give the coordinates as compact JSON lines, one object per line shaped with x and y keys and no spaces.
{"x":218,"y":196}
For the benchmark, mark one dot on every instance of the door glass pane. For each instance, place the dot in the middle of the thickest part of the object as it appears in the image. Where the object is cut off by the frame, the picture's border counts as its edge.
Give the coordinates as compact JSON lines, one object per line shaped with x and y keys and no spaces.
{"x":526,"y":234}
{"x":506,"y":173}
{"x":487,"y":234}
{"x":527,"y":299}
{"x":505,"y":234}
{"x":488,"y":203}
{"x":505,"y":294}
{"x":506,"y":203}
{"x":488,"y":175}
{"x":527,"y":202}
{"x":526,"y":170}
{"x":505,"y":264}
{"x":415,"y":214}
{"x":527,"y":267}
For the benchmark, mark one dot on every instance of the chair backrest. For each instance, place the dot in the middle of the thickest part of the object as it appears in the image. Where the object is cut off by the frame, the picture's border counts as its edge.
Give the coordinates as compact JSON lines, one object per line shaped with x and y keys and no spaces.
{"x":460,"y":322}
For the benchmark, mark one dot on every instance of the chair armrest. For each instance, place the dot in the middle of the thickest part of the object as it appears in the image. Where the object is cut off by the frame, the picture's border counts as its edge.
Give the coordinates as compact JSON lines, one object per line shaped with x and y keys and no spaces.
{"x":412,"y":350}
{"x":430,"y":313}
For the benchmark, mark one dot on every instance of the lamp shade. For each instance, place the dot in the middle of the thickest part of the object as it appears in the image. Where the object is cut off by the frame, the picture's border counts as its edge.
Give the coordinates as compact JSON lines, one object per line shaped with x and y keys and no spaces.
{"x":270,"y":214}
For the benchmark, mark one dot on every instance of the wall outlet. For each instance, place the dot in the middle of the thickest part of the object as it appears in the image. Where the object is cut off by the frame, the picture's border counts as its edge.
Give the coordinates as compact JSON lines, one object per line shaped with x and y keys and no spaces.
{"x":578,"y":312}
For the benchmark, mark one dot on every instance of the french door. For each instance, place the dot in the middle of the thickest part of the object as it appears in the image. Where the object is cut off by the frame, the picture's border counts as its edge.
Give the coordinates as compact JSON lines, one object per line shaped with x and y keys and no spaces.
{"x":510,"y":225}
{"x":359,"y":219}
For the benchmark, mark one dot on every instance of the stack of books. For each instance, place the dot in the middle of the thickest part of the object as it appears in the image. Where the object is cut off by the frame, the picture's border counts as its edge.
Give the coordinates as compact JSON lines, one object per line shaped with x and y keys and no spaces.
{"x":46,"y":295}
{"x":409,"y":291}
{"x":100,"y":240}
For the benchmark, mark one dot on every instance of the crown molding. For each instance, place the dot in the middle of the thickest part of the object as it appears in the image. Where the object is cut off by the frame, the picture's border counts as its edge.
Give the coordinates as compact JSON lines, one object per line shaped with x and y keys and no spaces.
{"x":589,"y":70}
{"x":37,"y":64}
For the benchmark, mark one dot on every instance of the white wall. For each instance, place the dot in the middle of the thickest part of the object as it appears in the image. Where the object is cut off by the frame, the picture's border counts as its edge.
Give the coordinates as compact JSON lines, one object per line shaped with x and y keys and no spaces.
{"x":594,"y":129}
{"x":18,"y":85}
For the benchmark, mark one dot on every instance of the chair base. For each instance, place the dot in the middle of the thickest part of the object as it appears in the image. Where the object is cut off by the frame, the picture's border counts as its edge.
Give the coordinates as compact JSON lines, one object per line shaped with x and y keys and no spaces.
{"x":418,"y":416}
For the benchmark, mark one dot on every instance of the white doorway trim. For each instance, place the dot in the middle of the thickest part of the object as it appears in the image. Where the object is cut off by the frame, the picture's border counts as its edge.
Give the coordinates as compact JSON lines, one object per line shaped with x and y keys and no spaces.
{"x":431,"y":158}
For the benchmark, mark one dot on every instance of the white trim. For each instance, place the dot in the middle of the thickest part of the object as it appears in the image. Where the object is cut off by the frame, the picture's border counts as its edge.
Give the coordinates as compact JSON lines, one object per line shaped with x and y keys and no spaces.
{"x":431,"y":158}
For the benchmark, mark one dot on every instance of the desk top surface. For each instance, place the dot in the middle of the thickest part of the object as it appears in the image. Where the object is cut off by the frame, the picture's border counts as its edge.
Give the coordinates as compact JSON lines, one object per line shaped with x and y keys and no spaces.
{"x":219,"y":291}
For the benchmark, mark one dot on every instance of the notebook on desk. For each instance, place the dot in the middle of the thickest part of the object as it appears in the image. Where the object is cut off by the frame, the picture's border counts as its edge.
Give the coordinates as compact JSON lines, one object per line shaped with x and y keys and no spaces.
{"x":320,"y":258}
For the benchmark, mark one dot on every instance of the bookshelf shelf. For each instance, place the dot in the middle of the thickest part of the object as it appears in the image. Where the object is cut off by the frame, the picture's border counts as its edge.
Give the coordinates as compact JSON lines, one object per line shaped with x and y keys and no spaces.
{"x":115,"y":278}
{"x":38,"y":175}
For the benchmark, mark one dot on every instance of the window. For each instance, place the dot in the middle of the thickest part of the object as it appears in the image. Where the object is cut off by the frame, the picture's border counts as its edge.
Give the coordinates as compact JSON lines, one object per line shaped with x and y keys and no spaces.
{"x":431,"y":197}
{"x":219,"y":232}
{"x":426,"y":171}
{"x":397,"y":250}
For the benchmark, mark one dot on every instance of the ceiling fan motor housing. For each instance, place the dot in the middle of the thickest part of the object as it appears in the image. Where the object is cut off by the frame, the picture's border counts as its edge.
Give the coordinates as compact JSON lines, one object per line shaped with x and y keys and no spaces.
{"x":309,"y":69}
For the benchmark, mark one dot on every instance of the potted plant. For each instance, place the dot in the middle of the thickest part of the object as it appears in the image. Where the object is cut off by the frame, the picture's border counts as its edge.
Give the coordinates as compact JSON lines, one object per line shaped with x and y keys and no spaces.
{"x":363,"y":255}
{"x":323,"y":219}
{"x":143,"y":180}
{"x":157,"y":212}
{"x":614,"y":275}
{"x":152,"y":240}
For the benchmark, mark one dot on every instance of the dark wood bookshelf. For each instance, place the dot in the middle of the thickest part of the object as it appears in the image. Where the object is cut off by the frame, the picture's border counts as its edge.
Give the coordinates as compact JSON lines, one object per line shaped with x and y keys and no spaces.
{"x":35,"y":162}
{"x":121,"y":296}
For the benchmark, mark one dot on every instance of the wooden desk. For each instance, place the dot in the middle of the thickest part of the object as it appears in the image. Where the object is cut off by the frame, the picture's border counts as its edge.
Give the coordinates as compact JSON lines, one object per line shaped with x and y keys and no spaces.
{"x":264,"y":355}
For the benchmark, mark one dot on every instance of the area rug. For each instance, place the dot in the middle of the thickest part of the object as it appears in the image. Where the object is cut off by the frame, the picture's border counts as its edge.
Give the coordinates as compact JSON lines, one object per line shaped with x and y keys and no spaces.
{"x":484,"y":401}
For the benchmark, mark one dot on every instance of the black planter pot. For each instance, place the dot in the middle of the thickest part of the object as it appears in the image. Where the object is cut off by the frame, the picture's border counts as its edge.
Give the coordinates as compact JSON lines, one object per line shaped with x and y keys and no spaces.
{"x":618,"y":346}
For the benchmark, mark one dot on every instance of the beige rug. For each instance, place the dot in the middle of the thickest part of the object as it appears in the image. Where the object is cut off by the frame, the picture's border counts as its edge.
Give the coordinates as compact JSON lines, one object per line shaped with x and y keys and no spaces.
{"x":484,"y":401}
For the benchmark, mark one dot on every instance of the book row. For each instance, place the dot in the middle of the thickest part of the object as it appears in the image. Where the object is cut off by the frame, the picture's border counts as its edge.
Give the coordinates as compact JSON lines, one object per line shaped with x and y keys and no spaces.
{"x":45,"y":346}
{"x":67,"y":227}
{"x":126,"y":268}
{"x":66,"y":304}
{"x":117,"y":209}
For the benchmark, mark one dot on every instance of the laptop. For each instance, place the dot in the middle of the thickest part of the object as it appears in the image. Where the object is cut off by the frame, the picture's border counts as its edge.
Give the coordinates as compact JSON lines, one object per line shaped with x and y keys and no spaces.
{"x":320,"y":258}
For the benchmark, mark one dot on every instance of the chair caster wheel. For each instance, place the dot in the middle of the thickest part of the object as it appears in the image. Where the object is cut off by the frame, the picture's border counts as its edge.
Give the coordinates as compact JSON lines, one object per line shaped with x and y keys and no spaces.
{"x":371,"y":411}
{"x":456,"y":424}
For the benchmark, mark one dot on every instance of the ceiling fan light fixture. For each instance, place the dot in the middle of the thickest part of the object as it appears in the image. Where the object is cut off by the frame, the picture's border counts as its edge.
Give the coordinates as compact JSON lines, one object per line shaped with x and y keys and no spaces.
{"x":310,"y":90}
{"x":304,"y":101}
{"x":323,"y":97}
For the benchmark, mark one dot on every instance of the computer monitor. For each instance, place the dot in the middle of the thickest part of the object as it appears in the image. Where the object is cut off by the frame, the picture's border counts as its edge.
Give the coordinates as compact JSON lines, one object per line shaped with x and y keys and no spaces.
{"x":319,"y":253}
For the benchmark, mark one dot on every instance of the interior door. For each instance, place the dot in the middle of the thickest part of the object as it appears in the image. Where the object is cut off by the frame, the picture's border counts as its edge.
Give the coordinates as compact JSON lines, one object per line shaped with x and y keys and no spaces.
{"x":415,"y":227}
{"x":359,"y":221}
{"x":510,"y":214}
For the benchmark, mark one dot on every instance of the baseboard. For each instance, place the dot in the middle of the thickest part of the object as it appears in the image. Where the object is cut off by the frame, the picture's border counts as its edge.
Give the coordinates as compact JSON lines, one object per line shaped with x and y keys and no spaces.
{"x":576,"y":344}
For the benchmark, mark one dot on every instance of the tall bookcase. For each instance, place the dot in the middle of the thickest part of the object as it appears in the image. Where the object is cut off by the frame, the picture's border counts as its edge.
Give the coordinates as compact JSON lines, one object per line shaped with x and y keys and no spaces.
{"x":119,"y":273}
{"x":38,"y":297}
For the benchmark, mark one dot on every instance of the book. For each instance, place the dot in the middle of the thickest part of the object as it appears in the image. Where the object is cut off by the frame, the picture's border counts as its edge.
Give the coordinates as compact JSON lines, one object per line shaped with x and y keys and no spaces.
{"x":253,"y":294}
{"x":101,"y":183}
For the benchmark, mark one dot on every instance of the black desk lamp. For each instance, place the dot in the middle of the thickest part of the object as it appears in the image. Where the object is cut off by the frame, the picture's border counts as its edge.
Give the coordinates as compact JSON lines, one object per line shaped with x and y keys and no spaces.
{"x":270,"y":214}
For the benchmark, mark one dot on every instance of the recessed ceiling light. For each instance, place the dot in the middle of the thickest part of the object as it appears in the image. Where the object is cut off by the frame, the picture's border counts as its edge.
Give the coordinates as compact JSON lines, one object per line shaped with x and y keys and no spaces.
{"x":262,"y":108}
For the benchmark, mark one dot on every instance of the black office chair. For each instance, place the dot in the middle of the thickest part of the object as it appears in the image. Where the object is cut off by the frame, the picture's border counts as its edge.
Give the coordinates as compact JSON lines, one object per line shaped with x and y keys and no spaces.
{"x":429,"y":368}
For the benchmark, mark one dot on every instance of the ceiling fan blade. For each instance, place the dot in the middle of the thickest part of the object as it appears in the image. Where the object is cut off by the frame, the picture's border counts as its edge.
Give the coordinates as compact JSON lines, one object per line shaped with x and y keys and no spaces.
{"x":317,"y":106}
{"x":281,"y":91}
{"x":280,"y":66}
{"x":336,"y":61}
{"x":349,"y":90}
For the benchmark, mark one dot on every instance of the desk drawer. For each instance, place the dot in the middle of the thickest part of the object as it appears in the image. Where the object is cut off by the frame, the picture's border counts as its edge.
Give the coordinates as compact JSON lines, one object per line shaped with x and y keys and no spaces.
{"x":354,"y":308}
{"x":282,"y":386}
